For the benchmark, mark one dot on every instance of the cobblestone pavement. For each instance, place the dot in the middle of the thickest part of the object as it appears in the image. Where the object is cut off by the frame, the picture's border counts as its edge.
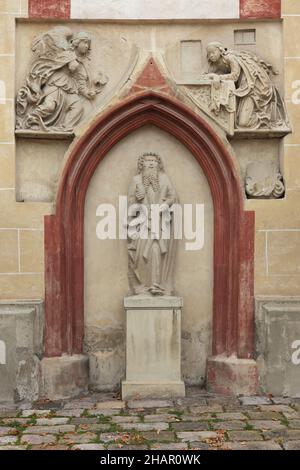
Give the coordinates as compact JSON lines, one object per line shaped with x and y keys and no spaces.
{"x":101,"y":421}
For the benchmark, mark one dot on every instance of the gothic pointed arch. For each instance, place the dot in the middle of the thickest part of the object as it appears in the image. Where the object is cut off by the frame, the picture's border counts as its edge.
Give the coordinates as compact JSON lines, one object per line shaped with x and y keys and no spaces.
{"x":233,"y":227}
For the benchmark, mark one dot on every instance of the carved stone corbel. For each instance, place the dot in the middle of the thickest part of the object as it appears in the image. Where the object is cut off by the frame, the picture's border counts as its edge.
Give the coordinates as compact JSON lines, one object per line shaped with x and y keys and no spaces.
{"x":263,"y":180}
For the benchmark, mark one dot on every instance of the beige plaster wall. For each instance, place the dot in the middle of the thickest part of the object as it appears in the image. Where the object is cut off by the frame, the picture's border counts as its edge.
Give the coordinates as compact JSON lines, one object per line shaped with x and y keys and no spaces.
{"x":106,"y":260}
{"x":37,"y":168}
{"x":277,"y":262}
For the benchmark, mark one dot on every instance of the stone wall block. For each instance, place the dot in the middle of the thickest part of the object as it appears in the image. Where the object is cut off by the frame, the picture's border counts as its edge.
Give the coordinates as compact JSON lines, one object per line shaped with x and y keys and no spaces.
{"x":21,"y":339}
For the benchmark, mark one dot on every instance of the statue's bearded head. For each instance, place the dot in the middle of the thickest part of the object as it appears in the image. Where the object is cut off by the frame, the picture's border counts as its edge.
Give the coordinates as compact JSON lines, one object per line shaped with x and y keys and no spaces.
{"x":150,"y":164}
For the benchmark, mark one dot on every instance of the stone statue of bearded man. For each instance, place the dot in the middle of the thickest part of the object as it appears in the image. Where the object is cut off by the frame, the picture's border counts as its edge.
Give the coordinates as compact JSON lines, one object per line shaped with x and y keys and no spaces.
{"x":151,"y":244}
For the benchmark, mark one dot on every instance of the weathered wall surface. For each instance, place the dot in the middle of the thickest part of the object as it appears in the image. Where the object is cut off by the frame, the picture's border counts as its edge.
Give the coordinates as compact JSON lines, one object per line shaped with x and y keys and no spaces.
{"x":37,"y":168}
{"x":21,"y":226}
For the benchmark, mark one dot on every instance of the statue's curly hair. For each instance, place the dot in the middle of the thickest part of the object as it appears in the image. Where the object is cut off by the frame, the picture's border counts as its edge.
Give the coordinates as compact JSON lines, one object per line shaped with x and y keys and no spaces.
{"x":149,"y":154}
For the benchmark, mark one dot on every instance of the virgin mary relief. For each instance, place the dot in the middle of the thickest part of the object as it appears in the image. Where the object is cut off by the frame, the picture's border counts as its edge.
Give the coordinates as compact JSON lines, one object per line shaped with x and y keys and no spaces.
{"x":242,"y":83}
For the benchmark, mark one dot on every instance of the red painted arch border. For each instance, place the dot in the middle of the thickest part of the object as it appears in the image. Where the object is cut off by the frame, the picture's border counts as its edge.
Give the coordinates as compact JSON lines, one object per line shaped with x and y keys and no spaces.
{"x":233,"y":228}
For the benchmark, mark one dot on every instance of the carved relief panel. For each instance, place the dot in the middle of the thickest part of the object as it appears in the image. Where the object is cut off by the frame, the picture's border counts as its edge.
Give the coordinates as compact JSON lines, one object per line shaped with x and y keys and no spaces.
{"x":263,"y":181}
{"x":60,"y":85}
{"x":66,"y":75}
{"x":239,"y":91}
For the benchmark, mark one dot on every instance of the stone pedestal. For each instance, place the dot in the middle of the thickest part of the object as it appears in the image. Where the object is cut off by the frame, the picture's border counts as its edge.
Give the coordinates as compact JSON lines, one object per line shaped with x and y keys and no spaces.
{"x":153,"y":348}
{"x":232,"y":376}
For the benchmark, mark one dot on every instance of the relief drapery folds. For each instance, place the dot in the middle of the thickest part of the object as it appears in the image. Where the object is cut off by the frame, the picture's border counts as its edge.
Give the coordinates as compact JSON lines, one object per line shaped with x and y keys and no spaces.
{"x":241,"y":83}
{"x":60,"y":86}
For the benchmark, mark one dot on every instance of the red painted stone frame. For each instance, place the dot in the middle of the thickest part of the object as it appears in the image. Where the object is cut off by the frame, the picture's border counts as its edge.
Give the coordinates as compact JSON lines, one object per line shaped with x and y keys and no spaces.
{"x":260,"y":9}
{"x":233,"y":227}
{"x":59,"y":9}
